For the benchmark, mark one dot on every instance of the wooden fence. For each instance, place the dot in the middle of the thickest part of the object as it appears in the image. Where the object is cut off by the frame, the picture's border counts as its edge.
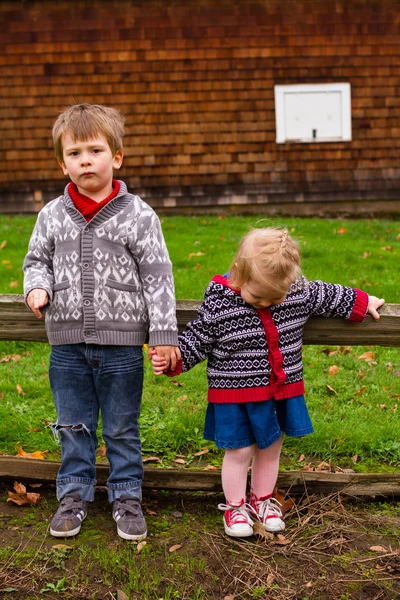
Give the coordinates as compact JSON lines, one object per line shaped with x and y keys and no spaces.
{"x":18,"y":323}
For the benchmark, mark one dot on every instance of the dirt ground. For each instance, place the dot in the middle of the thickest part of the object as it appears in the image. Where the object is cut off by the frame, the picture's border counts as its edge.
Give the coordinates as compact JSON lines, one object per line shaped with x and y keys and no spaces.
{"x":333,"y":548}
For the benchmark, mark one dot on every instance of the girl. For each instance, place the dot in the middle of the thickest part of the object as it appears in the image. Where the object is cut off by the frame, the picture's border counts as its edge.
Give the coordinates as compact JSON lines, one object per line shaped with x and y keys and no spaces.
{"x":250,"y":328}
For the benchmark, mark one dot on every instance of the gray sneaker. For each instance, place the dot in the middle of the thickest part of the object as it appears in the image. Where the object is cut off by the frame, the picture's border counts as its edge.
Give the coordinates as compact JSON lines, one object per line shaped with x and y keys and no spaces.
{"x":69,"y":516}
{"x":128,"y":515}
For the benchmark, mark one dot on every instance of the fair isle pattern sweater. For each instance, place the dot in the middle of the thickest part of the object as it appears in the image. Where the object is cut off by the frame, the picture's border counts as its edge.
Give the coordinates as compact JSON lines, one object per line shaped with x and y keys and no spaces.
{"x":256,"y":355}
{"x":109,"y":280}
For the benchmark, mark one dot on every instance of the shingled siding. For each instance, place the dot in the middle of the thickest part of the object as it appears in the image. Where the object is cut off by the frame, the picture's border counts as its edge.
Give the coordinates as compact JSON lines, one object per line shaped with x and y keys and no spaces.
{"x":196,"y":81}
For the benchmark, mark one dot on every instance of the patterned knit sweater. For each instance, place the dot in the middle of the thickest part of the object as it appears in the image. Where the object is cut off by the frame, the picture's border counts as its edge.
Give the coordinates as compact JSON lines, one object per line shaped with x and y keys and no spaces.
{"x":109,"y":280}
{"x":256,"y":355}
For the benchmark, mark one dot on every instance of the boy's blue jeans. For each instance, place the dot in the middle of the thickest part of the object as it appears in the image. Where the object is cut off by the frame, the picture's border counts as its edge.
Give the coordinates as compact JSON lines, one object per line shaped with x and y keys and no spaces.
{"x":86,"y":379}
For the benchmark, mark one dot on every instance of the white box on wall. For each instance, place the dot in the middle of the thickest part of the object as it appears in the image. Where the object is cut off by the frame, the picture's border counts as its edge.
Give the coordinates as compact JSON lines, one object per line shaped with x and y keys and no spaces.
{"x":313,"y":113}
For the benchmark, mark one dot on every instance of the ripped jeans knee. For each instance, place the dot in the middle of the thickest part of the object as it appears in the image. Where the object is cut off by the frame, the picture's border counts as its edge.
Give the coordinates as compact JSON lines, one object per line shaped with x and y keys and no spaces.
{"x":68,"y":430}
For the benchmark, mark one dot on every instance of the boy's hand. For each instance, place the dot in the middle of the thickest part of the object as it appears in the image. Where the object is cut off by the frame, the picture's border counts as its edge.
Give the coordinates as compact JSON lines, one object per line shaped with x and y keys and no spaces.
{"x":158,"y":363}
{"x":373,"y":304}
{"x":171,"y":354}
{"x":36,"y":299}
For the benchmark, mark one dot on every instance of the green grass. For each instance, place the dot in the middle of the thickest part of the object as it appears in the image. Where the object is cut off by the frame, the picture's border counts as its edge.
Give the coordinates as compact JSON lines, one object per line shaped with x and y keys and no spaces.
{"x":362,"y":419}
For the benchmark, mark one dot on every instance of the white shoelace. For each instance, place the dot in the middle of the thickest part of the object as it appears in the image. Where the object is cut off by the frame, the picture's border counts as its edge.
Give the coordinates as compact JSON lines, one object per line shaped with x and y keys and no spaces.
{"x":267,"y":509}
{"x":239,"y":513}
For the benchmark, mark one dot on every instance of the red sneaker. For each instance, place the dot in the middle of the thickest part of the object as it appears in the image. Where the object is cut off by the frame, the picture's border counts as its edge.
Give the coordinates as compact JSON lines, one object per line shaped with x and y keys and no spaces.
{"x":237,"y":522}
{"x":268,"y":512}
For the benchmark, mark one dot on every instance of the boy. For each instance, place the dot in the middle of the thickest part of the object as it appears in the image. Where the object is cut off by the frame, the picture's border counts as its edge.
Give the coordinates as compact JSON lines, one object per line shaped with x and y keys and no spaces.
{"x":98,"y":266}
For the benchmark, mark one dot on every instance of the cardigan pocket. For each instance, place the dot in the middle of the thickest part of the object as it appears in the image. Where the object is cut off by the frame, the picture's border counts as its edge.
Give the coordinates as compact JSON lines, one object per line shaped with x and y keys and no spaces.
{"x":123,"y":287}
{"x":61,"y":285}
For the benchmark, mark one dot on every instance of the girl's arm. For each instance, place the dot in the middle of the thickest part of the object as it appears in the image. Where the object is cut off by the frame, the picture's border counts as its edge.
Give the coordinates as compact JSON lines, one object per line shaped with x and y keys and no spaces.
{"x":335,"y":300}
{"x":195,"y":343}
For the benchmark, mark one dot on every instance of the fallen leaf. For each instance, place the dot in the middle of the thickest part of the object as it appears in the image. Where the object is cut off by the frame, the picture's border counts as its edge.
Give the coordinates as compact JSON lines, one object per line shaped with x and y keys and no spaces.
{"x":61,"y":547}
{"x":140,"y":546}
{"x":177,"y":383}
{"x":301,"y":458}
{"x":333,"y":370}
{"x":10,"y":358}
{"x":331,"y":390}
{"x":281,"y":540}
{"x":286,"y":503}
{"x":388,"y":248}
{"x":204,"y":451}
{"x":20,"y":390}
{"x":175,"y":547}
{"x":367,"y":356}
{"x":309,"y":584}
{"x":150,"y":512}
{"x":366,"y":254}
{"x":3,"y":244}
{"x":38,"y":454}
{"x":22,"y":497}
{"x":121,"y":595}
{"x":259,"y":531}
{"x":229,"y":597}
{"x":182,"y":398}
{"x":152,"y":459}
{"x":361,"y":391}
{"x":341,"y":230}
{"x":354,"y":458}
{"x":378,"y":549}
{"x":324,"y":466}
{"x":329,"y":352}
{"x":103,"y":451}
{"x":270,"y":578}
{"x":211,"y":468}
{"x":180,"y":461}
{"x":382,"y":407}
{"x":13,"y":284}
{"x":360,"y":375}
{"x":345,"y":350}
{"x":195,"y":254}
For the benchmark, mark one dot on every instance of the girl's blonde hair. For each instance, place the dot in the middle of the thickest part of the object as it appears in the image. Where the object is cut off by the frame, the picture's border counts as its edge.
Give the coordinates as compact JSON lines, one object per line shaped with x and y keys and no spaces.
{"x":269,"y":257}
{"x":85,"y":121}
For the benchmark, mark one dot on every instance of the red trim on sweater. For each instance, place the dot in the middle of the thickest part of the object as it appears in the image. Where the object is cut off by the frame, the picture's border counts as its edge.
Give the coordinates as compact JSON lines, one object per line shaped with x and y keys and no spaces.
{"x":360,"y":306}
{"x":224,"y":281}
{"x":256,"y":394}
{"x":278,"y":376}
{"x":87,"y":206}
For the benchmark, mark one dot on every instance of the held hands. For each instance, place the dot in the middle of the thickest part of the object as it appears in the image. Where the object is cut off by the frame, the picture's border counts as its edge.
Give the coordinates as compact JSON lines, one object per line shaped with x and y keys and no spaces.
{"x":373,"y":304}
{"x":164,"y":358}
{"x":36,"y":299}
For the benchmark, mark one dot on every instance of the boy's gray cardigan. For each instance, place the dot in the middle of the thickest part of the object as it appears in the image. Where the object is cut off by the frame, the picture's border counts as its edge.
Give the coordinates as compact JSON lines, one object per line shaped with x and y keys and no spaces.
{"x":109,"y":280}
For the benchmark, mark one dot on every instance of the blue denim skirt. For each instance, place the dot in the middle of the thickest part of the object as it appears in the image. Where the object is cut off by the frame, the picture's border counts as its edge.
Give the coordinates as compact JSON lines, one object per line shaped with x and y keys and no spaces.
{"x":244,"y":424}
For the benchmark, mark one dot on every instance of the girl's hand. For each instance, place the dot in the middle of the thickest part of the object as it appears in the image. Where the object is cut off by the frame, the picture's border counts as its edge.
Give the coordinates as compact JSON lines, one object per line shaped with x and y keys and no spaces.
{"x":158,"y":363}
{"x":373,"y":304}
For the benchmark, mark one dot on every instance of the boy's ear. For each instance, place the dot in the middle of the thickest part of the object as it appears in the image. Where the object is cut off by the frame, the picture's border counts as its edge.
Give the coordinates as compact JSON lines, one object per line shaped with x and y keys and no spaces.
{"x":64,"y":168}
{"x":117,"y":161}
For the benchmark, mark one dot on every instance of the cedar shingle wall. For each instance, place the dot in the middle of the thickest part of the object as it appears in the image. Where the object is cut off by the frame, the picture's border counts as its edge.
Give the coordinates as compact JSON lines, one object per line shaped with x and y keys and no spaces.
{"x":196,"y":80}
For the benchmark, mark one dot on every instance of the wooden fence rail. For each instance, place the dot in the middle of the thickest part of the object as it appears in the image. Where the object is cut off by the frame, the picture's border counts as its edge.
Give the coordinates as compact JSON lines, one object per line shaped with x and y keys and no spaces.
{"x":18,"y":323}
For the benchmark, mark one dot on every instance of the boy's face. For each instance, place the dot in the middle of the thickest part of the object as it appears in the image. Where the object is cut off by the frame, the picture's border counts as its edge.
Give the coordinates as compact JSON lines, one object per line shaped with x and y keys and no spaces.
{"x":255,"y":294}
{"x":90,"y":165}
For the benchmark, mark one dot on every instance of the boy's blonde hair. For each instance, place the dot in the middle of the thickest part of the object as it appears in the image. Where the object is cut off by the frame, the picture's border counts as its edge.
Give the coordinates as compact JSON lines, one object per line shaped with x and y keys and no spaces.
{"x":85,"y":121}
{"x":269,"y":257}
